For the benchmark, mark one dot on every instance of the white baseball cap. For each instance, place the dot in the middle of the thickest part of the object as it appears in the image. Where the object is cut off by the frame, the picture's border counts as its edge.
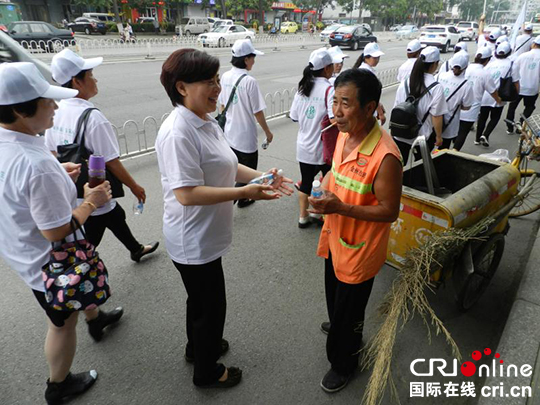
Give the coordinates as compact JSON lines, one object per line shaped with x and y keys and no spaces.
{"x":528,"y":27}
{"x":337,"y":54}
{"x":537,"y":40}
{"x":244,"y":47}
{"x":431,"y":54}
{"x":461,"y":60}
{"x":414,"y":46}
{"x":320,"y":58}
{"x":503,"y":49}
{"x":496,"y":33}
{"x":372,"y":49}
{"x":21,"y":82}
{"x":485,"y":52}
{"x":501,"y":39}
{"x":462,"y":46}
{"x":67,"y":64}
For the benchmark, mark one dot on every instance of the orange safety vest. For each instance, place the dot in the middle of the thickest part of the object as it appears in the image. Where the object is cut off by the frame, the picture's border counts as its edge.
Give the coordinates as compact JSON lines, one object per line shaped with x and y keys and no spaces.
{"x":358,"y":247}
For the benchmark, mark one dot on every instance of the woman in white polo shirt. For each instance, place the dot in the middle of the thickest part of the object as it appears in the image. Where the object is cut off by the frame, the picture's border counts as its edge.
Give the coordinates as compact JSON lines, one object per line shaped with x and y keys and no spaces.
{"x":198,"y":171}
{"x":38,"y":199}
{"x":247,"y":106}
{"x":310,"y":105}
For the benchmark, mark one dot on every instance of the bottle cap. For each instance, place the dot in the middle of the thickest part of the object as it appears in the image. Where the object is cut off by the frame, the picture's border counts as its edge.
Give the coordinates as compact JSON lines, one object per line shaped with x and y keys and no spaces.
{"x":316,"y":184}
{"x":96,"y":162}
{"x":280,"y":172}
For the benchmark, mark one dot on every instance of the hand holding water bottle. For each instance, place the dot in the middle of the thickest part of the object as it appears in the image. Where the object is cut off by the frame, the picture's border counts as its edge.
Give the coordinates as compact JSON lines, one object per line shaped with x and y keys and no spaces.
{"x":276,"y":180}
{"x":328,"y":203}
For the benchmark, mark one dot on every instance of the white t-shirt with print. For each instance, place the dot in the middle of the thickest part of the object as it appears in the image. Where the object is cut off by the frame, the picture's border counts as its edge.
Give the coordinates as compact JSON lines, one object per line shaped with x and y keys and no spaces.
{"x":464,"y":97}
{"x":99,"y":136}
{"x":193,"y":152}
{"x":241,"y":126}
{"x":309,"y":112}
{"x":523,"y":44}
{"x":498,"y":68}
{"x":529,"y":72}
{"x":433,"y":101}
{"x":36,"y":194}
{"x":405,"y":69}
{"x":482,"y":82}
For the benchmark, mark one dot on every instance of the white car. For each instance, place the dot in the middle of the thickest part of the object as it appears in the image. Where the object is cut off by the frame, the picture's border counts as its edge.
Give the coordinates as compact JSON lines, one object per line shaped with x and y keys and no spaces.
{"x":408,"y":32}
{"x":328,"y":30}
{"x":468,"y":30}
{"x":224,"y":35}
{"x":441,"y":36}
{"x":220,"y":22}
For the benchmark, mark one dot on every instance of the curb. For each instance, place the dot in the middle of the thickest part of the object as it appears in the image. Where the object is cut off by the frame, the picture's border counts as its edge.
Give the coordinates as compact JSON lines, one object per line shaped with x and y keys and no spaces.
{"x":520,"y":340}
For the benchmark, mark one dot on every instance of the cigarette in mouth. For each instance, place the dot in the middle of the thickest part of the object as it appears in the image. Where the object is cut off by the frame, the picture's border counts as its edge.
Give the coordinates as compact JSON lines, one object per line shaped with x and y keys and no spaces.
{"x":329,"y":126}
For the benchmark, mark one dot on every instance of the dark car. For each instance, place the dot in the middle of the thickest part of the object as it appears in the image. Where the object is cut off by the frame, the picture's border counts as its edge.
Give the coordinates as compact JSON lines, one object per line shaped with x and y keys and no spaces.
{"x":352,"y":36}
{"x":88,"y":26}
{"x":39,"y":34}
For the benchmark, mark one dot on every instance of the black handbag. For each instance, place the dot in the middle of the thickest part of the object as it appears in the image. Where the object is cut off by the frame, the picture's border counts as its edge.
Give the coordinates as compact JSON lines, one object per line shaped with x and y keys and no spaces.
{"x":222,"y":117}
{"x":507,"y":89}
{"x":76,"y":152}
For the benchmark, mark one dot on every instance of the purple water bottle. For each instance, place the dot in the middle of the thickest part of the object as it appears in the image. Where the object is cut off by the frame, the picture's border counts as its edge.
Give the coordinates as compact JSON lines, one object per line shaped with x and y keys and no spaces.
{"x":96,"y":170}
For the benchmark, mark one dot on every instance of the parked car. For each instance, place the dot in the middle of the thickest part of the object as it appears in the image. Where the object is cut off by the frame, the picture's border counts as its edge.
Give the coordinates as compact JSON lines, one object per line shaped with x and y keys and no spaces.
{"x":34,"y":34}
{"x":219,"y":22}
{"x":11,"y":51}
{"x":328,"y":30}
{"x":352,"y":36}
{"x":104,"y":17}
{"x":145,"y":20}
{"x":225,"y":35}
{"x":409,"y":31}
{"x":441,"y":36}
{"x":88,"y":26}
{"x":395,"y":28}
{"x":192,"y":25}
{"x":289,"y":27}
{"x":468,"y":30}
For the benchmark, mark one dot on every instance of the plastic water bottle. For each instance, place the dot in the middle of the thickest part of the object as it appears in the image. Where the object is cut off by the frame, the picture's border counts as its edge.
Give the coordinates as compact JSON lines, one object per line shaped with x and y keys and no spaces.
{"x":138,"y":207}
{"x":267,"y":178}
{"x":265,"y":144}
{"x":316,"y":189}
{"x":96,"y":170}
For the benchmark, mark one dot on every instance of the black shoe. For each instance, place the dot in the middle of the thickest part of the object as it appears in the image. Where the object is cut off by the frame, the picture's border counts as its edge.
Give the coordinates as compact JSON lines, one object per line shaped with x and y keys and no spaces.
{"x":333,"y":382}
{"x":304,"y":223}
{"x":74,"y":384}
{"x":224,"y":349}
{"x":136,"y":257}
{"x":234,"y":377}
{"x":245,"y":203}
{"x":325,"y":327}
{"x":104,"y":319}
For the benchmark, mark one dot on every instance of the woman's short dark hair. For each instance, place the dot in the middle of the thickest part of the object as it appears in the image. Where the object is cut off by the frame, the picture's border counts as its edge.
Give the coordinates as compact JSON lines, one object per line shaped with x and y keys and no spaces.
{"x":186,"y":65}
{"x":503,"y":56}
{"x":240,"y":61}
{"x":28,"y":109}
{"x":368,"y":87}
{"x":78,"y":76}
{"x":478,"y":59}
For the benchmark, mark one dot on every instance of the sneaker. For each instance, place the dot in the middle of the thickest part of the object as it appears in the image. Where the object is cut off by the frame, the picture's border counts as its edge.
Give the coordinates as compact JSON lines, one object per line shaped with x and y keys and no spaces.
{"x":510,"y":131}
{"x":304,"y":222}
{"x":477,"y":142}
{"x":317,"y":219}
{"x":104,"y":319}
{"x":74,"y":384}
{"x":333,"y":382}
{"x":484,"y":141}
{"x":224,"y":349}
{"x":325,"y":327}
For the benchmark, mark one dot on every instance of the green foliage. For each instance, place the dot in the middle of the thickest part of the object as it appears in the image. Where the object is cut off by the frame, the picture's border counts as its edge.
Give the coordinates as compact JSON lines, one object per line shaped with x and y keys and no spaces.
{"x":93,"y":3}
{"x":111,"y":27}
{"x":320,"y":25}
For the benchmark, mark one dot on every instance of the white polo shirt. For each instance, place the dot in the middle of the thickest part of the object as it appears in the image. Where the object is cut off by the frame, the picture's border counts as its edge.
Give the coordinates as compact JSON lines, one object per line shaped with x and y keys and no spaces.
{"x":405,"y":69}
{"x":364,"y":65}
{"x":482,"y":82}
{"x":309,"y":113}
{"x":36,"y":194}
{"x":529,"y":72}
{"x":433,"y":101}
{"x":463,"y":97}
{"x":498,"y":68}
{"x":241,"y":126}
{"x":99,"y":137}
{"x":193,"y":152}
{"x":523,"y":44}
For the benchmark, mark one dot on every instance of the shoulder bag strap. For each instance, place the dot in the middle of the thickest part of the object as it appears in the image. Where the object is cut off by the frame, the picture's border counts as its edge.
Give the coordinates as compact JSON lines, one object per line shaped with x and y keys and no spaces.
{"x":519,"y":47}
{"x":509,"y":70}
{"x":233,"y":92}
{"x":456,"y":90}
{"x":422,"y":95}
{"x":445,"y":125}
{"x":81,"y":128}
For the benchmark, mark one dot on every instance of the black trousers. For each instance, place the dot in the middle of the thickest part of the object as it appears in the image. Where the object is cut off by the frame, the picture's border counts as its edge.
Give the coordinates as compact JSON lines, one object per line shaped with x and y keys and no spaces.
{"x":116,"y":222}
{"x":529,"y":103}
{"x":494,"y":113}
{"x":250,"y":160}
{"x":205,"y":318}
{"x":405,"y":148}
{"x":346,"y":305}
{"x":464,"y":129}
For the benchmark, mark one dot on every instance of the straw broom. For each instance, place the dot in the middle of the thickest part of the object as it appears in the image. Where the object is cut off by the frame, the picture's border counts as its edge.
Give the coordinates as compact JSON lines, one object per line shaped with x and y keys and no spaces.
{"x":406,"y":298}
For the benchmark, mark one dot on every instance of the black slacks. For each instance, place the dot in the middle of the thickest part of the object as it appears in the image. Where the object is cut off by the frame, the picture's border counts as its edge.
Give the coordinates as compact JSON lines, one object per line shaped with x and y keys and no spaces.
{"x":494,"y":113}
{"x":346,"y":305}
{"x":116,"y":222}
{"x":529,"y":103}
{"x":250,"y":160}
{"x":205,"y":317}
{"x":464,"y":129}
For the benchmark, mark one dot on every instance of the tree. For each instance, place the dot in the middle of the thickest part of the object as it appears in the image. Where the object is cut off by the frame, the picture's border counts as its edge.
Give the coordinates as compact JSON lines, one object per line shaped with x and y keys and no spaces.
{"x":93,"y":3}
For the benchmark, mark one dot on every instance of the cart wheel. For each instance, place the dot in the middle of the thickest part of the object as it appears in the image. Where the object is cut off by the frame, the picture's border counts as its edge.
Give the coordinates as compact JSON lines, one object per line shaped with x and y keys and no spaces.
{"x":485,"y":260}
{"x":531,"y":201}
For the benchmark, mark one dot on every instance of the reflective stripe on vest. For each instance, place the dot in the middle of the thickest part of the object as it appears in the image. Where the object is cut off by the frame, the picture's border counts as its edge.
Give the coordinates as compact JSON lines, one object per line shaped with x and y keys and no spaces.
{"x":351,"y":184}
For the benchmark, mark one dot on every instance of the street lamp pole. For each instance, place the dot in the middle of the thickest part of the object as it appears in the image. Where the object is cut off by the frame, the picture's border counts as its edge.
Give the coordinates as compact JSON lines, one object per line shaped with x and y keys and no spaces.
{"x":485,"y":3}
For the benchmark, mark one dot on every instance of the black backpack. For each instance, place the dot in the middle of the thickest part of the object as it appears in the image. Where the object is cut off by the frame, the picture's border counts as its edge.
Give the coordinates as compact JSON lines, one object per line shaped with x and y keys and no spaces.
{"x":507,"y":89}
{"x":403,"y":118}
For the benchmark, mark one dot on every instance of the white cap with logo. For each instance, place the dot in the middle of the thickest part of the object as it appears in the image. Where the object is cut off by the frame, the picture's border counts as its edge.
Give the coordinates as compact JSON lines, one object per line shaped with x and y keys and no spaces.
{"x":320,"y":58}
{"x":485,"y":52}
{"x":21,"y":82}
{"x":431,"y":54}
{"x":501,"y":39}
{"x":537,"y":40}
{"x":372,"y":49}
{"x":503,"y":49}
{"x":414,"y":46}
{"x":462,"y":46}
{"x":244,"y":47}
{"x":460,"y":60}
{"x":67,"y":64}
{"x":337,"y":54}
{"x":528,"y":27}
